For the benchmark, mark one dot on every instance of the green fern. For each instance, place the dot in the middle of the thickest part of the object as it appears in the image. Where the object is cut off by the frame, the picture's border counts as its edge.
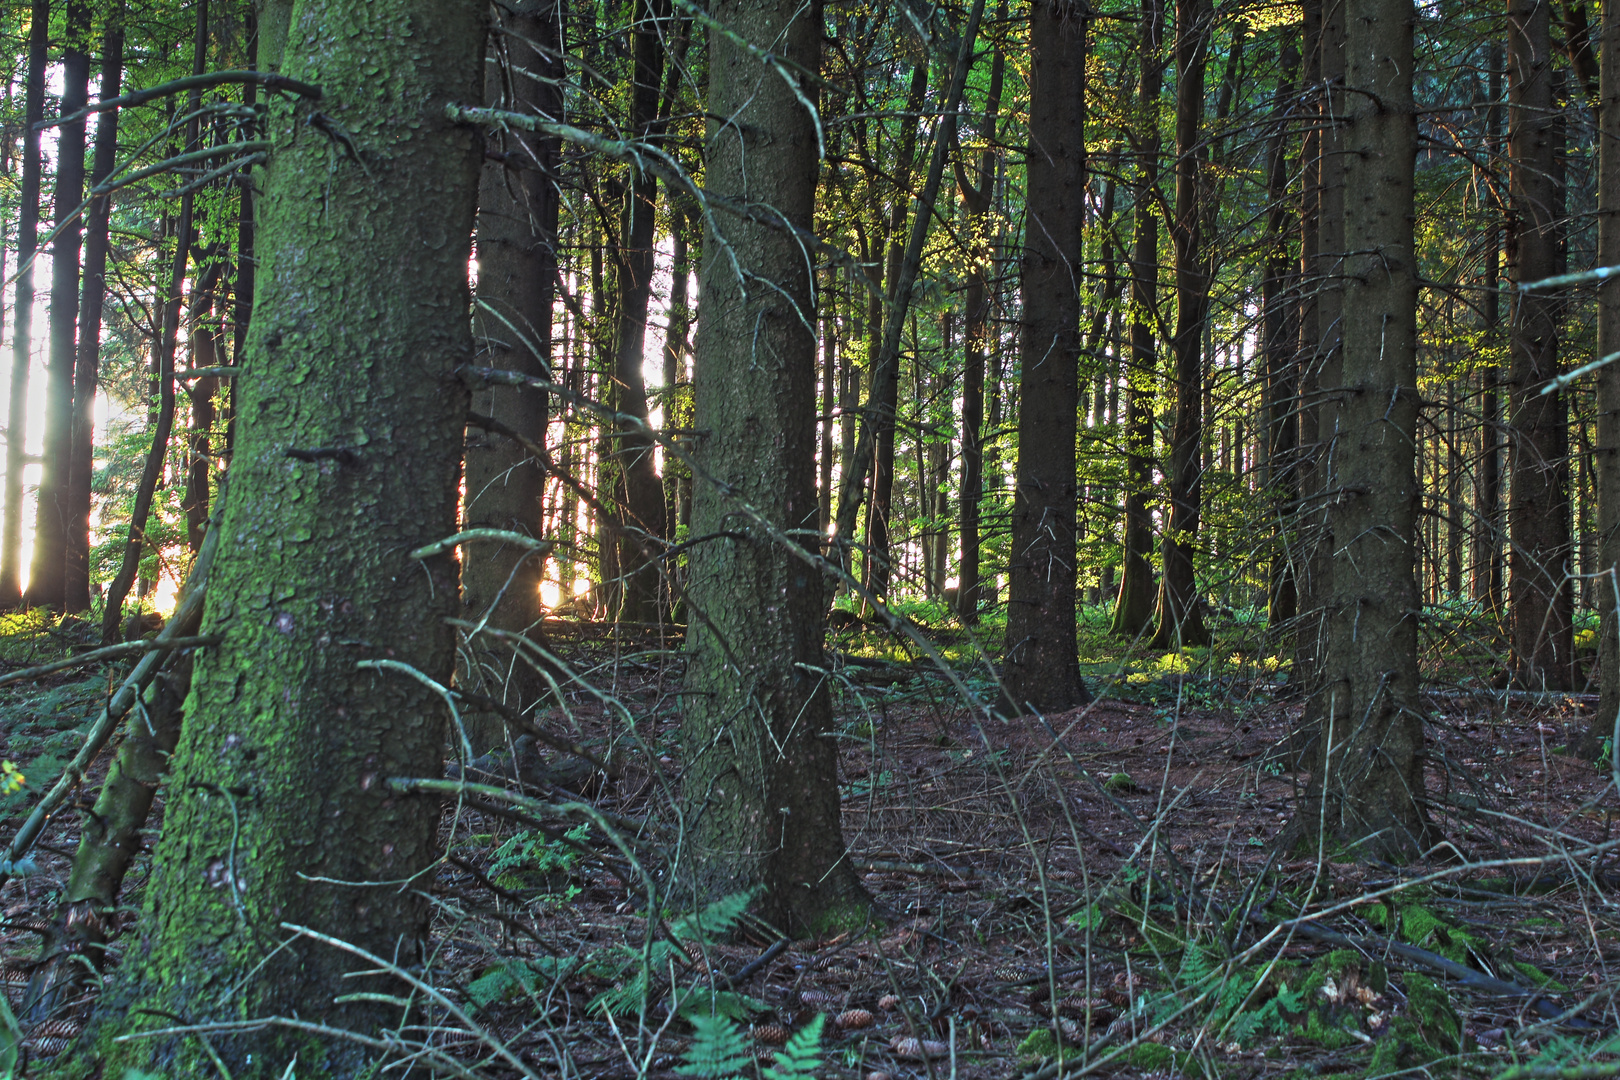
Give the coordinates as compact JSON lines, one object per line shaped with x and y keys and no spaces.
{"x":716,"y":920}
{"x":719,"y":1049}
{"x":801,"y":1057}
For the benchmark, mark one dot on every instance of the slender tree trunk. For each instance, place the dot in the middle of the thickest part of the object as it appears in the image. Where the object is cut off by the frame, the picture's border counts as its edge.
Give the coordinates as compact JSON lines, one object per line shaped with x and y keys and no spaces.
{"x":87,"y":368}
{"x":1487,"y":559}
{"x":760,"y":786}
{"x":878,"y":417}
{"x":169,"y":332}
{"x":517,"y":268}
{"x":1321,"y":329}
{"x":976,"y":197}
{"x":1134,"y":607}
{"x":1281,"y":373}
{"x":1042,"y":670}
{"x":1366,"y":786}
{"x":1180,"y":618}
{"x":643,"y":492}
{"x":1540,"y":619}
{"x":23,"y":318}
{"x":46,"y":578}
{"x":677,"y":399}
{"x":280,"y":811}
{"x":1606,"y":453}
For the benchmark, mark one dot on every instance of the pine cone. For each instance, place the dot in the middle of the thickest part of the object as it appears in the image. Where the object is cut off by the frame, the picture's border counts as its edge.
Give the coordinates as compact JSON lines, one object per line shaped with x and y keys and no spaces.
{"x":818,"y":999}
{"x":854,"y":1018}
{"x":770,"y":1034}
{"x":917,"y":1049}
{"x":888,"y":1003}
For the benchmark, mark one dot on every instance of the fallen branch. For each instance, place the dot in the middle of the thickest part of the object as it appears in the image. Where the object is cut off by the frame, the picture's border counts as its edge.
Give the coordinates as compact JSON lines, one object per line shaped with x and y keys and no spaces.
{"x":110,"y":652}
{"x":185,"y":617}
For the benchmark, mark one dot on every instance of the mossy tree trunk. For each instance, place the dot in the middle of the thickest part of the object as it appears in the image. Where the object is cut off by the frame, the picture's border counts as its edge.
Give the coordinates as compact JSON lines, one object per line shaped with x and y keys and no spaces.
{"x":760,"y":789}
{"x":1367,"y":768}
{"x":1042,"y":669}
{"x":349,"y":436}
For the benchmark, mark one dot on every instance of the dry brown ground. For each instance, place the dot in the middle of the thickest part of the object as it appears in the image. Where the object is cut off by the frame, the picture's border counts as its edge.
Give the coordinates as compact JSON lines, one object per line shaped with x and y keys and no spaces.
{"x":980,"y":842}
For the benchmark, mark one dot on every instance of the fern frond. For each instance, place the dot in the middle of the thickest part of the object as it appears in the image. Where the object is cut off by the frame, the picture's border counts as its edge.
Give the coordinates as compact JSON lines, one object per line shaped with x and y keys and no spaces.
{"x":801,"y":1057}
{"x":719,"y":1049}
{"x":715,"y":920}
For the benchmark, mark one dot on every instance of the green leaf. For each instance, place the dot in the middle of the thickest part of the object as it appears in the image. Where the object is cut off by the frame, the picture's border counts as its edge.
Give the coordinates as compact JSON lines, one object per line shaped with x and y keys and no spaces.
{"x":801,"y":1057}
{"x":719,"y":1049}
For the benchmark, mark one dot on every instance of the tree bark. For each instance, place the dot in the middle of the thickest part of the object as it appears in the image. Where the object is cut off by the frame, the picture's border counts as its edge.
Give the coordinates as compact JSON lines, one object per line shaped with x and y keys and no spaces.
{"x":1180,"y":615}
{"x":1042,"y":669}
{"x":87,"y":368}
{"x":1134,"y":607}
{"x":168,"y":334}
{"x":23,"y":319}
{"x":346,"y":460}
{"x":642,"y":490}
{"x":1540,"y":588}
{"x":760,"y":787}
{"x":976,"y":198}
{"x":46,"y":578}
{"x":1280,"y":338}
{"x":1606,"y":449}
{"x":517,"y":267}
{"x":1366,"y":787}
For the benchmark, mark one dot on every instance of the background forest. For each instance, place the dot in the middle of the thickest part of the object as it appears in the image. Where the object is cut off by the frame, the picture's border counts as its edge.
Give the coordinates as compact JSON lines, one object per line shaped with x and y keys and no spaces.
{"x":633,"y":538}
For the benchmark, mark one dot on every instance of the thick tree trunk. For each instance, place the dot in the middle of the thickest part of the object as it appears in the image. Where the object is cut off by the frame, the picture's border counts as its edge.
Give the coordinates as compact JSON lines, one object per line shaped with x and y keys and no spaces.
{"x":87,"y":368}
{"x":1366,"y":786}
{"x":23,"y":319}
{"x":350,"y":431}
{"x":1134,"y":607}
{"x":1180,"y":618}
{"x":760,"y":786}
{"x":46,"y":578}
{"x":1042,"y":670}
{"x":1606,"y":455}
{"x":517,"y":267}
{"x":1540,"y":588}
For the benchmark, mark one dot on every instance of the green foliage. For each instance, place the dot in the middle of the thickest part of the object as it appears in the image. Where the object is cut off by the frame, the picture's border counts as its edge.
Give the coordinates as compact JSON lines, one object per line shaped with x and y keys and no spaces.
{"x":1039,"y":1043}
{"x":719,"y":1049}
{"x":531,"y":860}
{"x":510,"y":979}
{"x":801,"y":1057}
{"x":11,"y":1040}
{"x":716,"y":920}
{"x":636,"y":969}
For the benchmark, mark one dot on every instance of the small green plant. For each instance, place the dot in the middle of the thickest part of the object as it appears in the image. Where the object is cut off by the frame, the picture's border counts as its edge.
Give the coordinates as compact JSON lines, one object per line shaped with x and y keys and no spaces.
{"x":533,"y":861}
{"x":719,"y":1051}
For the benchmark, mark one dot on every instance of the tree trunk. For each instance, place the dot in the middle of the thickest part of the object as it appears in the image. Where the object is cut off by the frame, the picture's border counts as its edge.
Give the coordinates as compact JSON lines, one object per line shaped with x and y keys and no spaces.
{"x":163,"y":363}
{"x":1606,"y":455}
{"x":346,"y":461}
{"x":1366,"y":787}
{"x":1540,"y":617}
{"x":1281,"y":372}
{"x":517,"y":267}
{"x":642,"y":491}
{"x":976,"y":197}
{"x":1042,"y":670}
{"x":1180,"y":618}
{"x":87,"y":368}
{"x":23,"y":319}
{"x":46,"y":579}
{"x":1134,"y":607}
{"x":760,"y":786}
{"x":1487,"y":557}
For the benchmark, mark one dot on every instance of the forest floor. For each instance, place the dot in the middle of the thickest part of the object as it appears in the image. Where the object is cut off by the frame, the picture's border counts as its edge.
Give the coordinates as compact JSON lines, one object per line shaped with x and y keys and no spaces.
{"x":1101,"y":893}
